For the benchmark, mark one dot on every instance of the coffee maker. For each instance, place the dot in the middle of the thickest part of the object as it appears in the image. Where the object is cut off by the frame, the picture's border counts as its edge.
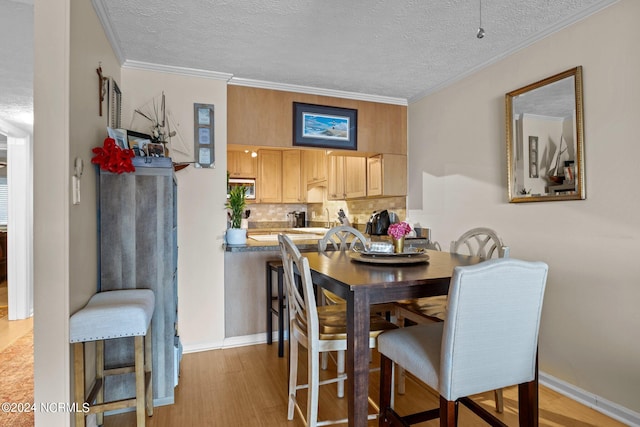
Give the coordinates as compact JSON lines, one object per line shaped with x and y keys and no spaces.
{"x":299,"y":219}
{"x":378,"y":223}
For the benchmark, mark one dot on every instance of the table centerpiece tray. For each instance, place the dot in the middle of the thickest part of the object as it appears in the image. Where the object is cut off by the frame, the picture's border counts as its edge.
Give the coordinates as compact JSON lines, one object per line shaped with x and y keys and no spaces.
{"x":412,"y":256}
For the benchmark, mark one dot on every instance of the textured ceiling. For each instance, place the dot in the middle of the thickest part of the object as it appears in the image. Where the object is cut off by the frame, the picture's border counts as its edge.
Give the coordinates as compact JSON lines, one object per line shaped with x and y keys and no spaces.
{"x":401,"y":49}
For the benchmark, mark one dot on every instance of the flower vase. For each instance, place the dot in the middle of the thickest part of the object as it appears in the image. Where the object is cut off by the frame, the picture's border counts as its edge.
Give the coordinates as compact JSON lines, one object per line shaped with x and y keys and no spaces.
{"x":398,"y":245}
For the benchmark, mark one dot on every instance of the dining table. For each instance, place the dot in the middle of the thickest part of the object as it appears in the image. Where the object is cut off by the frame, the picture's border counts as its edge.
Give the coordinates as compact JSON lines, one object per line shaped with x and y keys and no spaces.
{"x":361,"y":281}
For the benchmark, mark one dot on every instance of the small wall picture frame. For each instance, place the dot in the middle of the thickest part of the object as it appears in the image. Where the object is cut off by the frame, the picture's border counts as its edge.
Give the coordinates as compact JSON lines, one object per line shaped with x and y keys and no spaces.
{"x":203,"y":135}
{"x":114,"y":104}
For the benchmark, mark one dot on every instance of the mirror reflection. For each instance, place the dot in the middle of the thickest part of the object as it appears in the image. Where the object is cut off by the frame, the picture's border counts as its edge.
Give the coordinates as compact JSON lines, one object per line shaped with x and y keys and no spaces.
{"x":545,"y":139}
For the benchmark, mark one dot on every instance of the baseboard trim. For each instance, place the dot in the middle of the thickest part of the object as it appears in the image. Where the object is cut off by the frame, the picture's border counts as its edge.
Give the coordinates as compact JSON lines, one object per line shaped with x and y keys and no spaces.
{"x":591,"y":400}
{"x":232,"y":342}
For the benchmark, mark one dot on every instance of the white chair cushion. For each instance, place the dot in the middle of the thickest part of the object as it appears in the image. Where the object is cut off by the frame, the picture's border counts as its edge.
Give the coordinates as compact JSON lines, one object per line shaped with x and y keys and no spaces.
{"x":415,"y":348}
{"x":113,"y":314}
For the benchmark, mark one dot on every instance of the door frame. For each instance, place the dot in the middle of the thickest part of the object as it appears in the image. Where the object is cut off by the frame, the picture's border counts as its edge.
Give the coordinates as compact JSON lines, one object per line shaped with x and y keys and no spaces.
{"x":20,"y":221}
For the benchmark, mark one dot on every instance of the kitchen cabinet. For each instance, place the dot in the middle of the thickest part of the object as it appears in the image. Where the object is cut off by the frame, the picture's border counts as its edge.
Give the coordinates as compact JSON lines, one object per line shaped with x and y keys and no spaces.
{"x":387,"y":175}
{"x":137,"y":218}
{"x":257,"y":116}
{"x":315,"y":166}
{"x":269,"y":180}
{"x":241,"y":164}
{"x":293,"y":190}
{"x":347,"y":177}
{"x":335,"y":182}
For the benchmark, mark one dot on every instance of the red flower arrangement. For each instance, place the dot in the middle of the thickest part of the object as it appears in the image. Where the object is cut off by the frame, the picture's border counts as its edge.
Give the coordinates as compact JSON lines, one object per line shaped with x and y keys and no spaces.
{"x":398,"y":230}
{"x":112,"y":158}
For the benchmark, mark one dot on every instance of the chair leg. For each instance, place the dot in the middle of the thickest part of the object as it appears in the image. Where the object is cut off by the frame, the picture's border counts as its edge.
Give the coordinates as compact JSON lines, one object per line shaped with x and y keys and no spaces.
{"x":386,"y":371}
{"x":402,"y":378}
{"x":313,"y":390}
{"x":140,"y":391}
{"x":293,"y":376}
{"x":100,"y":376}
{"x":499,"y":400}
{"x":78,"y":375}
{"x":269,"y":286}
{"x":148,"y":369}
{"x":528,"y":403}
{"x":341,"y":369}
{"x":281,"y":308}
{"x":448,"y":413}
{"x":325,"y":360}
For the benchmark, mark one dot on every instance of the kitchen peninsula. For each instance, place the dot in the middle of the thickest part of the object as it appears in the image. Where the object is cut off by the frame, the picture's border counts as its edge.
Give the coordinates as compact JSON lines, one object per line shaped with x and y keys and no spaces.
{"x":318,"y":181}
{"x":245,"y":280}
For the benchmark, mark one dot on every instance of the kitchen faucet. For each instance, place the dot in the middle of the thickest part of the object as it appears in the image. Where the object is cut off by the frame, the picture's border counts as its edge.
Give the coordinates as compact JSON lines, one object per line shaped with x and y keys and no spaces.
{"x":328,"y":218}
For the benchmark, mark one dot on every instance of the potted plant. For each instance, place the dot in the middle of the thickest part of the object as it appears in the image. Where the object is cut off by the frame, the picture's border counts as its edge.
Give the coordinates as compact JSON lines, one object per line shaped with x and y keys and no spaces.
{"x":236,"y":203}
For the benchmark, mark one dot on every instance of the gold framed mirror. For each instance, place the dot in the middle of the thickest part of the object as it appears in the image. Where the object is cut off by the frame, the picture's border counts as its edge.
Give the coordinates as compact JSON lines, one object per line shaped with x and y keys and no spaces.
{"x":545,"y":140}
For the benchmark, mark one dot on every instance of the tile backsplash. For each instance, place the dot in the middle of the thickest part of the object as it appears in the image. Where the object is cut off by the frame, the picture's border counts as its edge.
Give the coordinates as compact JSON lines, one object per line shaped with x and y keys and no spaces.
{"x":358,"y":211}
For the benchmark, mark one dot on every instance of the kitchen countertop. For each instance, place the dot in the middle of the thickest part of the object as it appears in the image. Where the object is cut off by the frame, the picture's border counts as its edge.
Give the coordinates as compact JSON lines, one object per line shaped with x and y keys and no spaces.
{"x":266,"y":239}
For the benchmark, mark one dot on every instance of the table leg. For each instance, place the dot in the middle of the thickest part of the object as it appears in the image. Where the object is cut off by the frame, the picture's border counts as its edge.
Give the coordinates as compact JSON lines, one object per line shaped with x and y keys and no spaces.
{"x":358,"y":357}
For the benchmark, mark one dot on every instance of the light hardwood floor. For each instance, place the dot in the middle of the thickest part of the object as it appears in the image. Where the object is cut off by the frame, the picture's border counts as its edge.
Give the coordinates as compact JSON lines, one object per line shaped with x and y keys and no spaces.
{"x":246,"y":386}
{"x":11,"y":330}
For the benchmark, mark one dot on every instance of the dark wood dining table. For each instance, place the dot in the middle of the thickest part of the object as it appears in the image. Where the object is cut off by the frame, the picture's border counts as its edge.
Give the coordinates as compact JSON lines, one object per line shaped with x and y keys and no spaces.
{"x":362,"y":284}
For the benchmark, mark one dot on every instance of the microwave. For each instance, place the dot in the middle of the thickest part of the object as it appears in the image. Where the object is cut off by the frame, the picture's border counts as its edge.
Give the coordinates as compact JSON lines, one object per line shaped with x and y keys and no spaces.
{"x":249,"y":185}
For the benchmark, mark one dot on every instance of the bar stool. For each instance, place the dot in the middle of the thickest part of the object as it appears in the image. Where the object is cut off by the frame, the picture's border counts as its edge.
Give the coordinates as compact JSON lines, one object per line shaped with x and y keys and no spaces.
{"x":109,"y":315}
{"x":275,"y":265}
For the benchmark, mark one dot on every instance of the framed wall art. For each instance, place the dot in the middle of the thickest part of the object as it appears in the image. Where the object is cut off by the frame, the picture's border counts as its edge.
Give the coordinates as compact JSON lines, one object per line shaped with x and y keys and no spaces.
{"x":203,"y":135}
{"x":114,"y":105}
{"x":325,"y":127}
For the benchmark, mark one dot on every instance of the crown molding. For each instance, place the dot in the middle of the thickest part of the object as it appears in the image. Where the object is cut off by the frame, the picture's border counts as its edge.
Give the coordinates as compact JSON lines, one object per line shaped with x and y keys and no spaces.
{"x":183,"y":71}
{"x":98,"y":6}
{"x":237,"y":81}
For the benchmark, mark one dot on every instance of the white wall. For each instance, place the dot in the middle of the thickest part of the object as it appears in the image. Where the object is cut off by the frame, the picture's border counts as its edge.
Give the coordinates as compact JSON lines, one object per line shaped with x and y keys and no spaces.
{"x":201,"y":198}
{"x":457,"y":180}
{"x":69,"y":45}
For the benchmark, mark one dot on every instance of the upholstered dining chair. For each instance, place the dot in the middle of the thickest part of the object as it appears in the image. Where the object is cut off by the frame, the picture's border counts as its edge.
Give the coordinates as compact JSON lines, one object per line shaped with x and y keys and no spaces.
{"x":463,"y":355}
{"x":317,"y":328}
{"x":481,"y":242}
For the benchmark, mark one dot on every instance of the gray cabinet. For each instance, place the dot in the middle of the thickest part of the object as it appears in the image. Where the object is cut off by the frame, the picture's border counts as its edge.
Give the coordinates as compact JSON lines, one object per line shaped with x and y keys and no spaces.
{"x":138,"y":249}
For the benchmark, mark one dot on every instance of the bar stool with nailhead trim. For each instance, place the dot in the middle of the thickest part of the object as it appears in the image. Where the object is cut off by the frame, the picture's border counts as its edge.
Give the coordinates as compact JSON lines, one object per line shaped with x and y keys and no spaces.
{"x":109,"y":315}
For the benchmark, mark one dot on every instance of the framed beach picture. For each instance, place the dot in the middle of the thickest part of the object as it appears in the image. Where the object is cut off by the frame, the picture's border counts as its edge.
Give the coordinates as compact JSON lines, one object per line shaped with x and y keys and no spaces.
{"x":325,"y":127}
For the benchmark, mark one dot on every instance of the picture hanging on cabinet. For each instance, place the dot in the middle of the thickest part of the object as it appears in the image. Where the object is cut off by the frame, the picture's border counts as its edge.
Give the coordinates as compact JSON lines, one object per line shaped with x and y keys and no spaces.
{"x":203,"y":135}
{"x":325,"y":127}
{"x":138,"y":142}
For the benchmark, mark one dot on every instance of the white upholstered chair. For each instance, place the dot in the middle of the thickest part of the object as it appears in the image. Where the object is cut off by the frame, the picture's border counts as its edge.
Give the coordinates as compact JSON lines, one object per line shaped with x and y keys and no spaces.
{"x":318,"y":328}
{"x":463,"y":355}
{"x":481,"y":242}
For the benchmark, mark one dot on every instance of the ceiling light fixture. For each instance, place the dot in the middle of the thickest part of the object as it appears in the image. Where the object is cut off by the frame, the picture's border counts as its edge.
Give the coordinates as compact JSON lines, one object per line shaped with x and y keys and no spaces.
{"x":480,"y":33}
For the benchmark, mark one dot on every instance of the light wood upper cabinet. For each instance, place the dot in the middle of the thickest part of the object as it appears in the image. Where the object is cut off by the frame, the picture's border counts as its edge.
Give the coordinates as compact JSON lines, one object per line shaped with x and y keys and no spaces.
{"x":264,"y":117}
{"x":292,"y":178}
{"x":387,"y":175}
{"x":347,"y":177}
{"x":315,"y":165}
{"x":269,"y":180}
{"x":335,"y":181}
{"x":241,"y":164}
{"x":355,"y":177}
